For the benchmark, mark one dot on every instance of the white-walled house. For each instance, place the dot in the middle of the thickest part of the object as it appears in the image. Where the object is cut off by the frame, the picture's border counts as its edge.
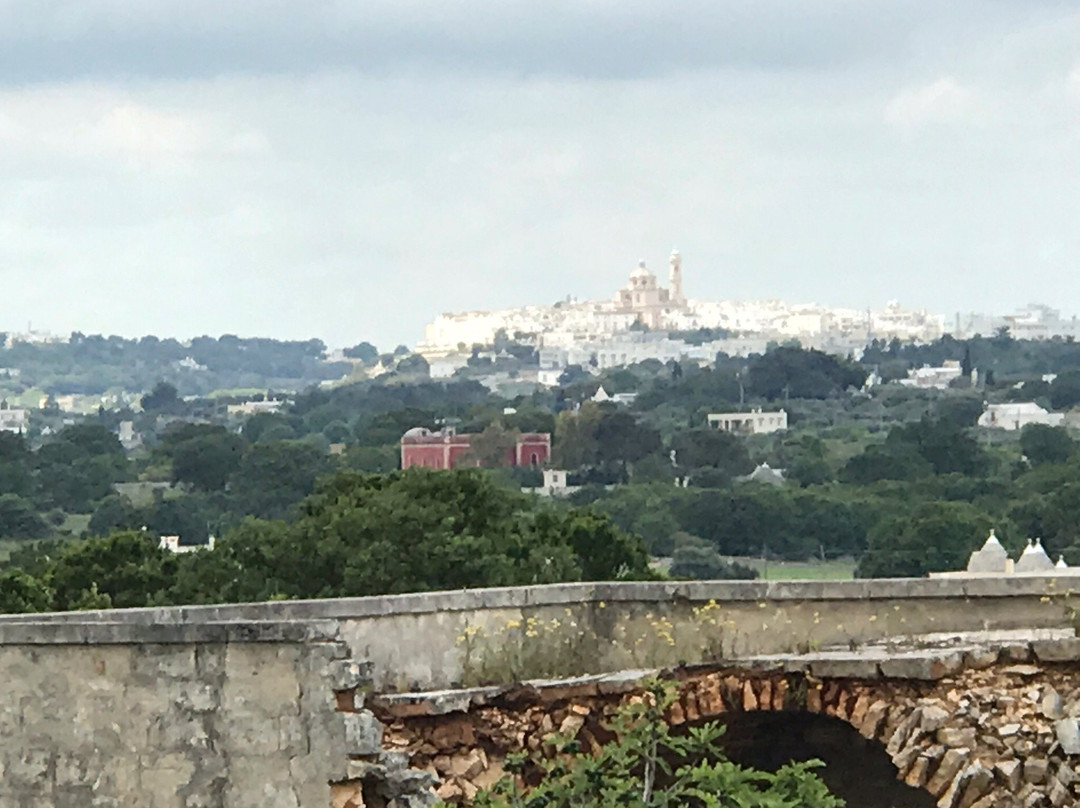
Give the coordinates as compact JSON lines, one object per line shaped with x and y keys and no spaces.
{"x":14,"y":420}
{"x":1017,"y":416}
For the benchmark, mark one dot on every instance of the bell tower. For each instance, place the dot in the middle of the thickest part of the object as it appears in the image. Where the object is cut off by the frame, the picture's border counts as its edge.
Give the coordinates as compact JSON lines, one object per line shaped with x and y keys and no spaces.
{"x":675,"y":290}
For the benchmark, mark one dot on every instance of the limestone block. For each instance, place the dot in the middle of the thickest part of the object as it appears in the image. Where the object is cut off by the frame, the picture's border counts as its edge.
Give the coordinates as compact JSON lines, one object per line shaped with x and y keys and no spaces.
{"x":900,"y":736}
{"x":346,"y":795}
{"x":933,"y":717}
{"x":1016,"y":652}
{"x":1068,"y":735}
{"x":571,"y":725}
{"x":854,"y":667}
{"x":247,"y":733}
{"x":927,"y":667}
{"x":451,"y":734}
{"x":411,"y":784}
{"x":952,"y":792}
{"x":450,"y":792}
{"x":956,"y":736}
{"x":166,"y":780}
{"x":1023,"y":671}
{"x":780,"y":690}
{"x":919,"y":772}
{"x":1052,"y":705}
{"x":347,"y":674}
{"x":1035,"y":770}
{"x":469,"y":765}
{"x":979,"y":780}
{"x":363,"y":734}
{"x":292,"y":739}
{"x":262,"y":782}
{"x":765,"y":695}
{"x":749,"y":697}
{"x":1063,"y":650}
{"x":859,"y":710}
{"x":951,"y":763}
{"x":981,"y":658}
{"x":260,"y":677}
{"x":1066,"y":774}
{"x":1058,"y":794}
{"x":875,"y":718}
{"x":198,"y":697}
{"x":907,"y":759}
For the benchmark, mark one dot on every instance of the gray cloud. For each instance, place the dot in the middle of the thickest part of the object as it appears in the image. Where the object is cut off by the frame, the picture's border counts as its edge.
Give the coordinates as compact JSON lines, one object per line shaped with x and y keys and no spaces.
{"x":63,"y":39}
{"x":177,"y":169}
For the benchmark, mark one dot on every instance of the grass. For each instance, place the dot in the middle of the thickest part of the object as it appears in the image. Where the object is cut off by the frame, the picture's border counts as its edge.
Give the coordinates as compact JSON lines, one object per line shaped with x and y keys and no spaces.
{"x":6,"y":546}
{"x":833,"y":570}
{"x":76,"y":523}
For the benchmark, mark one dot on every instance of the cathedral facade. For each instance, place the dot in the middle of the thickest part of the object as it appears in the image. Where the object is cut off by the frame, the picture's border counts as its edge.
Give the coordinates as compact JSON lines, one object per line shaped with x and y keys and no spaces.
{"x":644,"y":297}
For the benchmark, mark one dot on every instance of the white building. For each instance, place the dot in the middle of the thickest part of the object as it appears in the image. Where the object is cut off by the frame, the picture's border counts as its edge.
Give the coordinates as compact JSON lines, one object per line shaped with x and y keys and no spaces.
{"x":173,"y":545}
{"x":602,"y":395}
{"x":751,"y":325}
{"x":129,"y":438}
{"x":992,"y":560}
{"x":927,"y":377}
{"x":1034,"y":321}
{"x":14,"y":420}
{"x":1017,"y":416}
{"x":253,"y":407}
{"x":755,"y":422}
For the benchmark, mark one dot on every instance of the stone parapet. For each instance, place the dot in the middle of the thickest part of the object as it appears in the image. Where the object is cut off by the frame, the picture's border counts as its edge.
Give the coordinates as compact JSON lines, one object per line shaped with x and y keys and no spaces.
{"x":467,"y":600}
{"x":452,"y":639}
{"x":92,"y":633}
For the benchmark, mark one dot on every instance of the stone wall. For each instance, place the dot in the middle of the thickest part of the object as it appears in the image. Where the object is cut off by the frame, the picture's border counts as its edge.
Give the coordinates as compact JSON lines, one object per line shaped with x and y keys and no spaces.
{"x":218,"y":717}
{"x":993,"y":728}
{"x":266,"y":704}
{"x":452,"y":639}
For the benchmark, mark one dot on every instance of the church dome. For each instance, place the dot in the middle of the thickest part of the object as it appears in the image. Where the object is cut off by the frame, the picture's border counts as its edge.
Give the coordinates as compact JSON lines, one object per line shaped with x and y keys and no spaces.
{"x":641,"y":271}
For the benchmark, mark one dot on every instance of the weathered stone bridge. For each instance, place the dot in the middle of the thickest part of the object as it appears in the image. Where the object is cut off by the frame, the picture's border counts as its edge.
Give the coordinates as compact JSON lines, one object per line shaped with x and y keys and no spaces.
{"x":968,"y":691}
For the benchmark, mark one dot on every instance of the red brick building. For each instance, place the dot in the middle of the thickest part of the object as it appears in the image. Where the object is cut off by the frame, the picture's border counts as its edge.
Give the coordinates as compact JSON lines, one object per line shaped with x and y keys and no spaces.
{"x":444,"y":449}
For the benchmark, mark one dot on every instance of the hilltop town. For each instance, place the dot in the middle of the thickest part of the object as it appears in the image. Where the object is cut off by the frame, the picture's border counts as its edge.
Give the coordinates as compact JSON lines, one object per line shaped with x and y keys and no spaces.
{"x":645,"y":320}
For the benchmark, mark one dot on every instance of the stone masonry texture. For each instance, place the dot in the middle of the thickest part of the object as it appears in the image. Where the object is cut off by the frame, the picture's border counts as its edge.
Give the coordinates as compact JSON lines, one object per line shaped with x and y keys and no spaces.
{"x":309,"y":704}
{"x":215,"y":725}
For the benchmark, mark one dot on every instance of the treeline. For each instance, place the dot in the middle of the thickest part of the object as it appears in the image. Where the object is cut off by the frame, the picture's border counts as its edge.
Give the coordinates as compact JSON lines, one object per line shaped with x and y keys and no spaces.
{"x":919,"y":500}
{"x":95,"y":364}
{"x":358,"y":534}
{"x":1005,"y":358}
{"x":219,"y":478}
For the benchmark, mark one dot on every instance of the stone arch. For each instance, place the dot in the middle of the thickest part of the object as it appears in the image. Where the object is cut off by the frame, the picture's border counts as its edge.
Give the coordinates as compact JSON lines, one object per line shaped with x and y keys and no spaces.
{"x":932,"y":731}
{"x":976,"y":739}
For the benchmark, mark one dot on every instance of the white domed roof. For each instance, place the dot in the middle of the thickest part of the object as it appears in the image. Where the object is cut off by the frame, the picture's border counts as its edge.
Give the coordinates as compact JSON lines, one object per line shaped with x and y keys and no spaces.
{"x":640,"y":271}
{"x":417,"y":432}
{"x":991,"y":557}
{"x":1034,"y":558}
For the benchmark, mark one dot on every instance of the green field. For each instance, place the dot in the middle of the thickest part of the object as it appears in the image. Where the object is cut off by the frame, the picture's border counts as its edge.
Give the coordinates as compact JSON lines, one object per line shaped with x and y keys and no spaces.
{"x":835,"y":570}
{"x":838,"y":569}
{"x":6,"y":546}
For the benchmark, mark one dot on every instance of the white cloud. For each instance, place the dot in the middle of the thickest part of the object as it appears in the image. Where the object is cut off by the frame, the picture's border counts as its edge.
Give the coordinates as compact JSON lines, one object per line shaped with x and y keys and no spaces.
{"x":93,"y":123}
{"x":1074,"y":82}
{"x":942,"y":101}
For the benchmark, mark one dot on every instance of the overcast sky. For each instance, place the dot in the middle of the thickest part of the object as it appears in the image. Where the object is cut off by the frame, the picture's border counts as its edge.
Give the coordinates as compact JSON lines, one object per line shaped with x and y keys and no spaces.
{"x":348,"y":170}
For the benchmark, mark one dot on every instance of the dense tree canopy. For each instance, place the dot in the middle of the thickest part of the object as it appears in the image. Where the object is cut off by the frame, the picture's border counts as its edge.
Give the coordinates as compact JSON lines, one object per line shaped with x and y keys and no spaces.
{"x":358,"y":534}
